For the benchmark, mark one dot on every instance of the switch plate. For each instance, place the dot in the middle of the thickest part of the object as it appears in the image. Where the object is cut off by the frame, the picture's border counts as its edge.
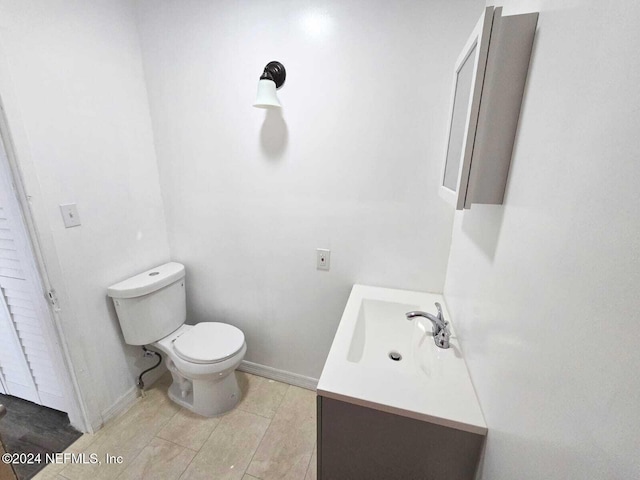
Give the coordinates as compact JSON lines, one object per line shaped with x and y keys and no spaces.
{"x":323,"y":258}
{"x":70,"y":215}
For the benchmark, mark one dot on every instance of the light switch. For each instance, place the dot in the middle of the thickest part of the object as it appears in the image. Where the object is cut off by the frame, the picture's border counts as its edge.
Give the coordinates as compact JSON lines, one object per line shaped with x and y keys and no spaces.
{"x":70,"y":215}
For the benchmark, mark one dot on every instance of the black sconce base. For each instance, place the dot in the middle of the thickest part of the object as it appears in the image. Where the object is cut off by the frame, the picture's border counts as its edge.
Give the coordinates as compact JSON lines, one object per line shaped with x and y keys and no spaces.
{"x":274,"y":71}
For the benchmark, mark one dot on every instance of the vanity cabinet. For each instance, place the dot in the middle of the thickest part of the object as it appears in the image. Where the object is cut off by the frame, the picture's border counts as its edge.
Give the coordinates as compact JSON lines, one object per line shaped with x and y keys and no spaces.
{"x":488,"y":85}
{"x":391,"y":403}
{"x":357,"y":442}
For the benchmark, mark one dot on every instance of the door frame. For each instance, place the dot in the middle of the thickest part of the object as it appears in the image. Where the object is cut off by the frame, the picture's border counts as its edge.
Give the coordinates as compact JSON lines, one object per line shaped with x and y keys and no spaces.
{"x":78,"y":415}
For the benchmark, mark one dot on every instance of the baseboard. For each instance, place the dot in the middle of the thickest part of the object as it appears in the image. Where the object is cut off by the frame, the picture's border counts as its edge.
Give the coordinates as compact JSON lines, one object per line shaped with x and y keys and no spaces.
{"x":279,"y":375}
{"x":120,"y":406}
{"x":125,"y":401}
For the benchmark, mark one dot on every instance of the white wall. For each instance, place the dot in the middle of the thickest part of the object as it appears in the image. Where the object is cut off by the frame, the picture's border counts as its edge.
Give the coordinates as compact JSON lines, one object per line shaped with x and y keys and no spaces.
{"x":543,"y":291}
{"x":72,"y":82}
{"x":351,"y":165}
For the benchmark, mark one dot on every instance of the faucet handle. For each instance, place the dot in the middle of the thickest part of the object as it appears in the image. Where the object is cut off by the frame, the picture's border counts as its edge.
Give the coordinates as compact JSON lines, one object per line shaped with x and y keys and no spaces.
{"x":440,"y":315}
{"x":442,"y":338}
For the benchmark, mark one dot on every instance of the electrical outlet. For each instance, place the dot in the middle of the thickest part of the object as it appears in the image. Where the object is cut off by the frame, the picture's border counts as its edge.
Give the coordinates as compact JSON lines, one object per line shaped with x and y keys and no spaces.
{"x":323,"y":257}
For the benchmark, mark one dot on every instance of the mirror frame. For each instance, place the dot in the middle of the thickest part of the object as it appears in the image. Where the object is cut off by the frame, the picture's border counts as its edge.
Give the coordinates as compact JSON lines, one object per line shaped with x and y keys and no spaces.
{"x":479,"y":38}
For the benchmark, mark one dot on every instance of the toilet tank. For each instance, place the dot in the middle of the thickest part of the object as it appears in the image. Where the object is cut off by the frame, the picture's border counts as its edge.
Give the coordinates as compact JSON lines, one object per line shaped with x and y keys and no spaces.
{"x":151,"y":304}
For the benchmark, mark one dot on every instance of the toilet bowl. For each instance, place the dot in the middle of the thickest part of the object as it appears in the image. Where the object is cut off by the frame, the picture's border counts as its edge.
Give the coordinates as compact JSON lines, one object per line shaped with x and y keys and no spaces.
{"x":202,"y":358}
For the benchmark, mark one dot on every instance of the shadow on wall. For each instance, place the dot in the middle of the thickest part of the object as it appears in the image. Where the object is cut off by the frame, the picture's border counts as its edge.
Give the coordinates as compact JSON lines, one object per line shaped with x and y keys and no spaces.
{"x":482,"y":225}
{"x":137,"y":362}
{"x":274,"y":134}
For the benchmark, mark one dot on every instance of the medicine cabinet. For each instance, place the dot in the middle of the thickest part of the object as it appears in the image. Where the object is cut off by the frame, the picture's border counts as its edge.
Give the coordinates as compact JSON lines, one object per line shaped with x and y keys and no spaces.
{"x":488,"y":84}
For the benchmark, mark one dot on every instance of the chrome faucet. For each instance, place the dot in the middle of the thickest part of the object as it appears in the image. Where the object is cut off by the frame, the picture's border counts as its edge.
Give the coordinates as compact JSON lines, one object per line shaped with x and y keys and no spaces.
{"x":441,"y":333}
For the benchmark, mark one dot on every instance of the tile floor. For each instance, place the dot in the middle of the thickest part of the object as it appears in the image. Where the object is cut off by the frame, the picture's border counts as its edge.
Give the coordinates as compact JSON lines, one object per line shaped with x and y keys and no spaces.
{"x":270,"y":434}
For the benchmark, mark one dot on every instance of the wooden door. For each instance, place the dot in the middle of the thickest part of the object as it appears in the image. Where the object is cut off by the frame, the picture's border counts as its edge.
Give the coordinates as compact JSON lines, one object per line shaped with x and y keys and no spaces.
{"x":27,"y":367}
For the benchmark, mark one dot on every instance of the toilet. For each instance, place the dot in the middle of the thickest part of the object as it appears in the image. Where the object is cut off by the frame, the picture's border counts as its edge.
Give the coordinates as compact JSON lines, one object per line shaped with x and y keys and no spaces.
{"x":202,"y":358}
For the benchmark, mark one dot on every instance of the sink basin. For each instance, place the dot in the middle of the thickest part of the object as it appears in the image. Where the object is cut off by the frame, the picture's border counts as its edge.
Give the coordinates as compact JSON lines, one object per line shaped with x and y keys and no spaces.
{"x":381,"y":360}
{"x":381,"y":327}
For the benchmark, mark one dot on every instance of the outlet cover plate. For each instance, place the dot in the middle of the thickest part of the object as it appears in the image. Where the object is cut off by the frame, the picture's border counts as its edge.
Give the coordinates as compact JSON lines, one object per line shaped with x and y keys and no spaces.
{"x":323,"y":258}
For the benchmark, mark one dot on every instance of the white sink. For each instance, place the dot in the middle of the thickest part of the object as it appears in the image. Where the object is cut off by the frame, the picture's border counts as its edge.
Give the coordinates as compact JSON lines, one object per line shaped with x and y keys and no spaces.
{"x":427,"y":383}
{"x":379,"y":328}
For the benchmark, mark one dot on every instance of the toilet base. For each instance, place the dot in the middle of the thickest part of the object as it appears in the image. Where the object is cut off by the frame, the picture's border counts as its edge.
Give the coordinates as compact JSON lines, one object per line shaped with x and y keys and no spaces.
{"x":208,"y":389}
{"x":206,"y":398}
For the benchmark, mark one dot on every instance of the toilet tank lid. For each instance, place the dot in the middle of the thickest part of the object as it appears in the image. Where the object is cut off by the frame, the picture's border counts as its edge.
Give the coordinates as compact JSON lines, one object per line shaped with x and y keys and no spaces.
{"x":147,"y":282}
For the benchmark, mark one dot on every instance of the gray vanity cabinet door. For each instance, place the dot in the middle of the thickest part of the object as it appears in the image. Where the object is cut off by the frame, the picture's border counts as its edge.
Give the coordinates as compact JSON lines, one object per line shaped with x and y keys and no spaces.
{"x":356,"y":442}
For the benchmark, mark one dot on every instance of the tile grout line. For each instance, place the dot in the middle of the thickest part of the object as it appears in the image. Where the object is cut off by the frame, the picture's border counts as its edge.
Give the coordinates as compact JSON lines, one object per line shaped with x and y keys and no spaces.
{"x":162,"y":425}
{"x":242,"y":409}
{"x":266,"y":430}
{"x":257,"y":447}
{"x":253,"y":413}
{"x":187,"y":465}
{"x":278,"y":407}
{"x":172,"y":443}
{"x":310,"y":458}
{"x":282,"y":399}
{"x":203,"y":444}
{"x":268,"y":380}
{"x":212,"y":431}
{"x":170,"y":417}
{"x":198,"y":451}
{"x":178,"y":444}
{"x":134,"y":458}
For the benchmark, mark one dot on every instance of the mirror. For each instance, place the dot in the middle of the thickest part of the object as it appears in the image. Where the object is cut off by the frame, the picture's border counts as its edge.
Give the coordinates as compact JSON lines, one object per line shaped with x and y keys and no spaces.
{"x":462,"y":93}
{"x":465,"y":104}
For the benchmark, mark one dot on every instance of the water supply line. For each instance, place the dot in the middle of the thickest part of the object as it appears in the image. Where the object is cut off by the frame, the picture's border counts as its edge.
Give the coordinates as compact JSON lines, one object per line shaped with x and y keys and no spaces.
{"x":148,"y":353}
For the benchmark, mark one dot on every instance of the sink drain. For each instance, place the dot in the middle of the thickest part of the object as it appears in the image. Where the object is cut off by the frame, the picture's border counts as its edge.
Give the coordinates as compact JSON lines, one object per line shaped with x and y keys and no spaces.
{"x":395,"y":356}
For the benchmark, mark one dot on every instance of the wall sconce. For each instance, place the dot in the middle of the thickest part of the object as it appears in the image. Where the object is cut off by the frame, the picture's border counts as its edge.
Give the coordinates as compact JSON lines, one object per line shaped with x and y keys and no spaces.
{"x":271,"y":79}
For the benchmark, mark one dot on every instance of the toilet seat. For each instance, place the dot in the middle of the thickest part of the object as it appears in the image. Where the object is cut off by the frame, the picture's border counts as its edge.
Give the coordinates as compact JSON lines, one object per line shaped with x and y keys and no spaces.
{"x":209,"y":342}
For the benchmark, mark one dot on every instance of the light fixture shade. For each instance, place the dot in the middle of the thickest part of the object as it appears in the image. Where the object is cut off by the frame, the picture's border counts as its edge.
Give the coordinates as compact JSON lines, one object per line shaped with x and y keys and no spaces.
{"x":267,"y":97}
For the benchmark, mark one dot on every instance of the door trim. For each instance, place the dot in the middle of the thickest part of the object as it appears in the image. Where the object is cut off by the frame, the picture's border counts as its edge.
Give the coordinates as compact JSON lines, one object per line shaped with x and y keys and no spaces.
{"x":78,"y":415}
